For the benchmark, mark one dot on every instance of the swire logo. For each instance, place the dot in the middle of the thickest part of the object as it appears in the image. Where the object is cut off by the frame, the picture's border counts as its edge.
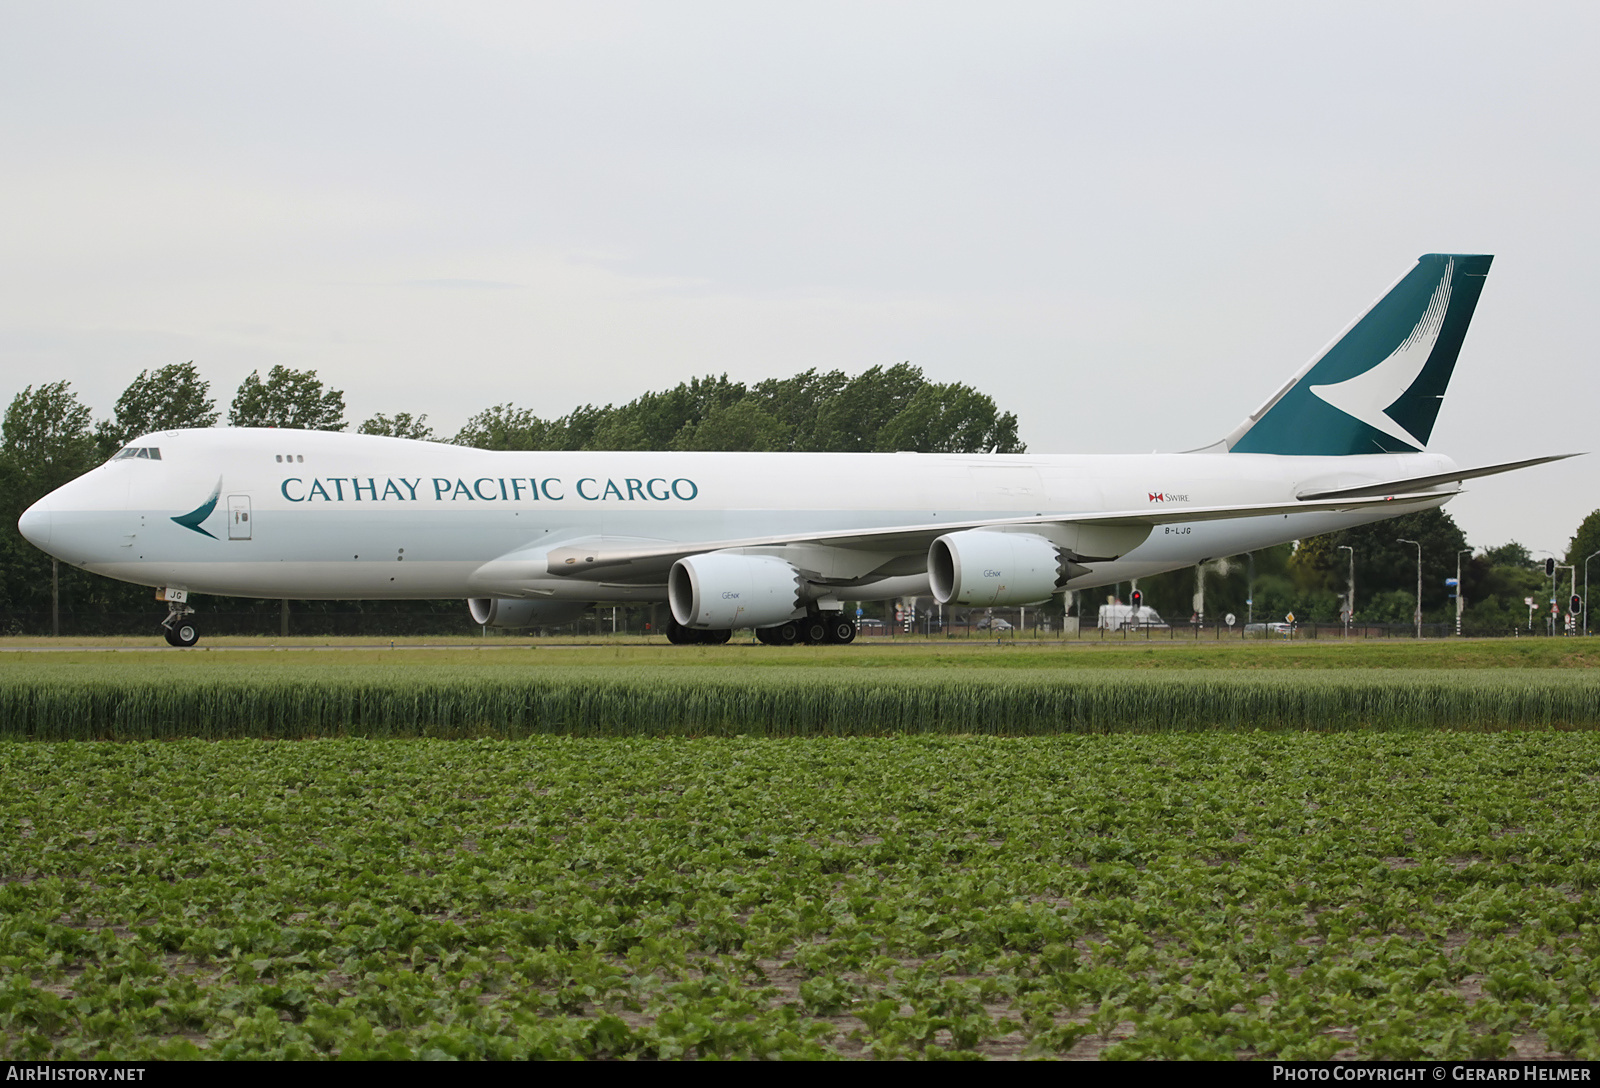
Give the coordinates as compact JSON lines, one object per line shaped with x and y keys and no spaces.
{"x":1157,"y":498}
{"x":1167,"y":496}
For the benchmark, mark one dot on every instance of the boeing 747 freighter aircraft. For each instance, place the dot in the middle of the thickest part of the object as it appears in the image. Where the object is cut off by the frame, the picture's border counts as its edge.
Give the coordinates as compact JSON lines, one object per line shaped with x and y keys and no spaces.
{"x":772,"y":541}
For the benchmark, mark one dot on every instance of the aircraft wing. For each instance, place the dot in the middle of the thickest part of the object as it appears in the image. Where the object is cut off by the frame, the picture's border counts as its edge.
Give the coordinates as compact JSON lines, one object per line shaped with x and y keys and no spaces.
{"x":613,"y":560}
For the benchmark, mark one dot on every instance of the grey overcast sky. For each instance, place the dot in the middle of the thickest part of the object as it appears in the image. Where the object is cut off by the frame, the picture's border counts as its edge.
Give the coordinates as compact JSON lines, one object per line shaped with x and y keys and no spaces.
{"x":1128,"y":222}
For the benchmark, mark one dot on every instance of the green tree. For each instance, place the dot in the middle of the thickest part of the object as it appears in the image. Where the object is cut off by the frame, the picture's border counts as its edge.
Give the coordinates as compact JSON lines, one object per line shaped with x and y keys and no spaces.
{"x":742,"y":425}
{"x":46,"y":433}
{"x":950,"y":419}
{"x":881,"y":409}
{"x":851,"y":420}
{"x":1384,"y":565}
{"x":507,"y":427}
{"x":164,"y":399}
{"x":1232,"y":582}
{"x":400,"y":425}
{"x":293,"y":399}
{"x":1510,"y":554}
{"x":1585,"y":542}
{"x":801,"y":403}
{"x":45,"y":441}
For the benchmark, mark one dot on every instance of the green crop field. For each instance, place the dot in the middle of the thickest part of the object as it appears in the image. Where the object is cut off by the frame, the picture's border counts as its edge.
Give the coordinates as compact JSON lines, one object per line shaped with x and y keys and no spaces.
{"x":920,"y":850}
{"x":1290,"y":895}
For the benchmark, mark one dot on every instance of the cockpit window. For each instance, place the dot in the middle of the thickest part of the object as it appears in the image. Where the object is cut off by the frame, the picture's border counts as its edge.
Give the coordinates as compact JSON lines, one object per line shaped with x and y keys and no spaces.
{"x":149,"y":453}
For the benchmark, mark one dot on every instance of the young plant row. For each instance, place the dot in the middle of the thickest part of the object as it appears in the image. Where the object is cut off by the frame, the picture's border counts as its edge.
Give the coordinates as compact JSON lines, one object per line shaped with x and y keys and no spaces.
{"x":306,"y":701}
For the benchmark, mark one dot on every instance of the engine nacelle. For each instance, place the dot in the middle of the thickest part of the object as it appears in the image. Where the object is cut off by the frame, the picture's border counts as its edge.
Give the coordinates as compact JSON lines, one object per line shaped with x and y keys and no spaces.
{"x":511,"y":612}
{"x":720,"y":591}
{"x":984,"y":568}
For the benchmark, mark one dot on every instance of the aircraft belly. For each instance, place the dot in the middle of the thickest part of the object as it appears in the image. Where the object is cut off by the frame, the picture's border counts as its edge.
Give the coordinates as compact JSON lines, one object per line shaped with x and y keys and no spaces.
{"x":308,"y":581}
{"x":1178,"y":545}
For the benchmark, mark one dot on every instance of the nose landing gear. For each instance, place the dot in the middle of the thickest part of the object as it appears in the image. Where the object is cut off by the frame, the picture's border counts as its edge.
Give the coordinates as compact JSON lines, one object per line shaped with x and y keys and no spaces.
{"x":179,"y":629}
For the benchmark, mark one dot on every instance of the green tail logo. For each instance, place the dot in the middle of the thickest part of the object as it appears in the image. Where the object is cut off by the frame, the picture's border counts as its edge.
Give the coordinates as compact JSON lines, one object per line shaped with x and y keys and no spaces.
{"x":1377,"y":389}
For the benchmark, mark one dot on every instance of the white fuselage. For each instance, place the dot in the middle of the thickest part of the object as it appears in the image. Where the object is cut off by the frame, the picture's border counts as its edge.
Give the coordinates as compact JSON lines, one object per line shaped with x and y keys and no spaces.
{"x":320,"y":515}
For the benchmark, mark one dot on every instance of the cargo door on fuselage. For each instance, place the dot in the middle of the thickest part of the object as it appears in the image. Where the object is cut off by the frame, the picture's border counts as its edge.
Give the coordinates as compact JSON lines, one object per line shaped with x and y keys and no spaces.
{"x":1008,"y":488}
{"x":239,"y":526}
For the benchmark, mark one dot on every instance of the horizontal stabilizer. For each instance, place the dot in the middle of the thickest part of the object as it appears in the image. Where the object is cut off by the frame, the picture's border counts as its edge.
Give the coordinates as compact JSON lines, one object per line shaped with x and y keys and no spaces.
{"x":1417,"y":483}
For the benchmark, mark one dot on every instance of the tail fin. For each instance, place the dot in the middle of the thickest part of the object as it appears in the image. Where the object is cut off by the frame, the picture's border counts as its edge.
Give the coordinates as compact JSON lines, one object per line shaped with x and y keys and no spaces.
{"x":1376,"y":388}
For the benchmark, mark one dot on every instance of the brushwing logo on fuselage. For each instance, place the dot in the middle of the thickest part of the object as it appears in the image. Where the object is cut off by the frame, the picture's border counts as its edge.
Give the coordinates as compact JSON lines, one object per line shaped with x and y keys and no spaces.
{"x":1368,"y":396}
{"x":193,"y":518}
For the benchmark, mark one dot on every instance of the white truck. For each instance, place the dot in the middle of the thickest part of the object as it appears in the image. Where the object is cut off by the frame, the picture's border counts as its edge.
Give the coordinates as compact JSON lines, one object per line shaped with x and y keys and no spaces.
{"x":1114,"y":617}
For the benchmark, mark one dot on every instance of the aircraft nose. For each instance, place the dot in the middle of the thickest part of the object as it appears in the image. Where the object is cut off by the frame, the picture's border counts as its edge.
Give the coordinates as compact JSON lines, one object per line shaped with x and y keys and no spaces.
{"x":34,"y":524}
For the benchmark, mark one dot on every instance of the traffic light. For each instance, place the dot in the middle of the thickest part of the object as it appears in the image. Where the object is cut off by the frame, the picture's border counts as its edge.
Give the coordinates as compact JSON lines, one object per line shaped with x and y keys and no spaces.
{"x":1138,"y":599}
{"x":1577,"y":604}
{"x":1549,"y":568}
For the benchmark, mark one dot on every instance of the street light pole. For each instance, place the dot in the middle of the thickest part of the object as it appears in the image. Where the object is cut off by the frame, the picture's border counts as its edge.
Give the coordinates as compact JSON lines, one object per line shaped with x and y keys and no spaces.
{"x":1250,"y":590}
{"x":1419,"y":585}
{"x":1460,"y":603}
{"x":1350,"y":590}
{"x":1586,"y":592}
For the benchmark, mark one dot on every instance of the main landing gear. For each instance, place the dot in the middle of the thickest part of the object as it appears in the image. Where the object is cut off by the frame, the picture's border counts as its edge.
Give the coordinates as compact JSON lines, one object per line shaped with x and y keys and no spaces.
{"x":679,"y":635}
{"x":817,"y":629}
{"x":178,"y":627}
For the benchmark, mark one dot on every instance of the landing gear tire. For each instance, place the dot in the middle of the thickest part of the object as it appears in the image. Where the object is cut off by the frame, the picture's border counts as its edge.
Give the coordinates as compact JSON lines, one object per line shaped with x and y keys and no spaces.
{"x":178,"y":628}
{"x":815,"y":630}
{"x":786,"y":634}
{"x":679,"y":635}
{"x":841,"y":630}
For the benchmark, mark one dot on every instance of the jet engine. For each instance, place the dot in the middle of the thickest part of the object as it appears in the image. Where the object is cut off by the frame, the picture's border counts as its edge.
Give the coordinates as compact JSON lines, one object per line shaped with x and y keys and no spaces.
{"x":511,"y":612}
{"x":721,"y":590}
{"x":983,"y":568}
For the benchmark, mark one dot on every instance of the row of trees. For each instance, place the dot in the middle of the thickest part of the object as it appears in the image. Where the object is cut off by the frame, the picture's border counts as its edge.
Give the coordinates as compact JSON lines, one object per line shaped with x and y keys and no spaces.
{"x":882,"y":409}
{"x":50,"y":437}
